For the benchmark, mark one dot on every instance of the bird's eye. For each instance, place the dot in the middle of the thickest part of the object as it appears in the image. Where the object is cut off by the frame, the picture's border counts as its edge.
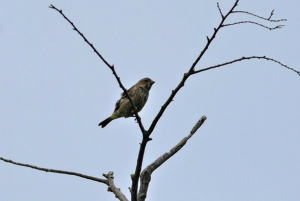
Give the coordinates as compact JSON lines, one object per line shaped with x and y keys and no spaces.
{"x":146,"y":80}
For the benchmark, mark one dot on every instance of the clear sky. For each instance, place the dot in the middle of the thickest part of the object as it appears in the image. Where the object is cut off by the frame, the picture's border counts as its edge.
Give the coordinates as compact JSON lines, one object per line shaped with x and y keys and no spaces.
{"x":55,"y":90}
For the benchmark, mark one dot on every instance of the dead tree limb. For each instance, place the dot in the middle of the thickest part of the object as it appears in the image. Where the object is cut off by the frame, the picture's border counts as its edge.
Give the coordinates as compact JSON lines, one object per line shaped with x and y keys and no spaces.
{"x":113,"y":188}
{"x":109,"y":181}
{"x":147,"y":172}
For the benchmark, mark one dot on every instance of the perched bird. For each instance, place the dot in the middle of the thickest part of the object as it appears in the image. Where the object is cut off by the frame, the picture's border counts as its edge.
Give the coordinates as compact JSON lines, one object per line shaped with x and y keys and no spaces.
{"x":138,"y":93}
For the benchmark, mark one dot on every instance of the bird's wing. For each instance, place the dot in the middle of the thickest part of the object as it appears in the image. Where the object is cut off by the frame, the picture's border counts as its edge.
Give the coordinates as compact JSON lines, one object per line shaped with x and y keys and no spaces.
{"x":117,"y":106}
{"x":123,"y":96}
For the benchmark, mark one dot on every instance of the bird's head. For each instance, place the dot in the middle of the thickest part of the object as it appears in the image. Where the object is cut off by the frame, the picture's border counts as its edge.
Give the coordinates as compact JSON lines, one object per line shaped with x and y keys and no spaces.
{"x":146,"y":83}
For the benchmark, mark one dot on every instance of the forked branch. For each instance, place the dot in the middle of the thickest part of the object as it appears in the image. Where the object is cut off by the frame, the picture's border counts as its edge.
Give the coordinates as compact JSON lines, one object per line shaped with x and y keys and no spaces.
{"x":108,"y":181}
{"x":191,"y":70}
{"x":113,"y":188}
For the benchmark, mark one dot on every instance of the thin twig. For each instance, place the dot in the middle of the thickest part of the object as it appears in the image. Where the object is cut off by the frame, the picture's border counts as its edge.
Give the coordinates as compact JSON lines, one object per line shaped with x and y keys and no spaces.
{"x":56,"y":171}
{"x":245,"y":22}
{"x":245,"y":58}
{"x":220,"y":10}
{"x":112,"y":68}
{"x":268,"y":19}
{"x":146,"y":174}
{"x":272,"y":13}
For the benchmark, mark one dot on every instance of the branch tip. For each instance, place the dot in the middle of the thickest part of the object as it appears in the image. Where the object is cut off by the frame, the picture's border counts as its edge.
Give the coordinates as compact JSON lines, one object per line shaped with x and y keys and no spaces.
{"x":272,"y":13}
{"x":244,"y":58}
{"x":198,"y":124}
{"x":220,"y":10}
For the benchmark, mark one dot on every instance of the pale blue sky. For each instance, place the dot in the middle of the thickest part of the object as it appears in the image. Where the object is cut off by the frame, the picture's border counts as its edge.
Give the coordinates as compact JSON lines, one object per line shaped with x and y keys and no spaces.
{"x":55,"y":90}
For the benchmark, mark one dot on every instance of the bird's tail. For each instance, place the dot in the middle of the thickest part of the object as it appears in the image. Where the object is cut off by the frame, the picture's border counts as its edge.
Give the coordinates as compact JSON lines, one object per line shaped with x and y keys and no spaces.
{"x":105,"y":122}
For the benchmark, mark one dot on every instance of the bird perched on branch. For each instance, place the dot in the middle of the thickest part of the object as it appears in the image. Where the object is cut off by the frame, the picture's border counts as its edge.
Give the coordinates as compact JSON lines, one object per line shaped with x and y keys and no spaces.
{"x":139,"y":95}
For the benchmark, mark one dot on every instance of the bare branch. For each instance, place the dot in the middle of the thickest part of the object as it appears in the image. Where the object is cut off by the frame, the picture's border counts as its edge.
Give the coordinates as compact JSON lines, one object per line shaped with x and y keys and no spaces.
{"x":191,"y":70}
{"x":113,"y":188}
{"x":112,"y":68}
{"x":244,"y":58}
{"x":268,"y":19}
{"x":244,"y":22}
{"x":109,"y":182}
{"x":56,"y":171}
{"x":220,"y":10}
{"x":146,"y":174}
{"x":81,"y":34}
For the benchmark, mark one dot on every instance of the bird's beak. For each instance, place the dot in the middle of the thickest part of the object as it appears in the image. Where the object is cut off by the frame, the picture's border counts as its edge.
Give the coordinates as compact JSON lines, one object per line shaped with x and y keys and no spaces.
{"x":152,"y":82}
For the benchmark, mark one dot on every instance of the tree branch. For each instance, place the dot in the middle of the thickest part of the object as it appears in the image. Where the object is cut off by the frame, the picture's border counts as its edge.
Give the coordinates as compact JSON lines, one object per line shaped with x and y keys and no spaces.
{"x":268,"y":19}
{"x":244,"y":58}
{"x":56,"y":171}
{"x":112,"y":68}
{"x":220,"y":10}
{"x":250,"y":22}
{"x":191,"y":70}
{"x":109,"y":181}
{"x":146,"y":174}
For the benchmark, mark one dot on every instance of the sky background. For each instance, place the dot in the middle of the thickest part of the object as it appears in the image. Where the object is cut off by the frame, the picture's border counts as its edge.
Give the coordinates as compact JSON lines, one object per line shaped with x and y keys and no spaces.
{"x":55,"y":90}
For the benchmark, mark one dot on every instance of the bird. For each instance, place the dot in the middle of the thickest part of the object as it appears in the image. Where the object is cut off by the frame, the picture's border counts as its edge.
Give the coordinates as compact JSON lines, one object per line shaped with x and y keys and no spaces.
{"x":139,"y":95}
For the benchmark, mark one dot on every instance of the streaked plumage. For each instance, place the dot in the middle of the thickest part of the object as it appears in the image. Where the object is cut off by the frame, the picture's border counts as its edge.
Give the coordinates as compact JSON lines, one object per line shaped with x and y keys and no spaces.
{"x":139,"y":94}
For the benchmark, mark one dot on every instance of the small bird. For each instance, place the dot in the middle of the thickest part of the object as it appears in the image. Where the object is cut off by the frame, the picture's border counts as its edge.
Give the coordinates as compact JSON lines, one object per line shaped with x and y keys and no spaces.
{"x":138,"y":93}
